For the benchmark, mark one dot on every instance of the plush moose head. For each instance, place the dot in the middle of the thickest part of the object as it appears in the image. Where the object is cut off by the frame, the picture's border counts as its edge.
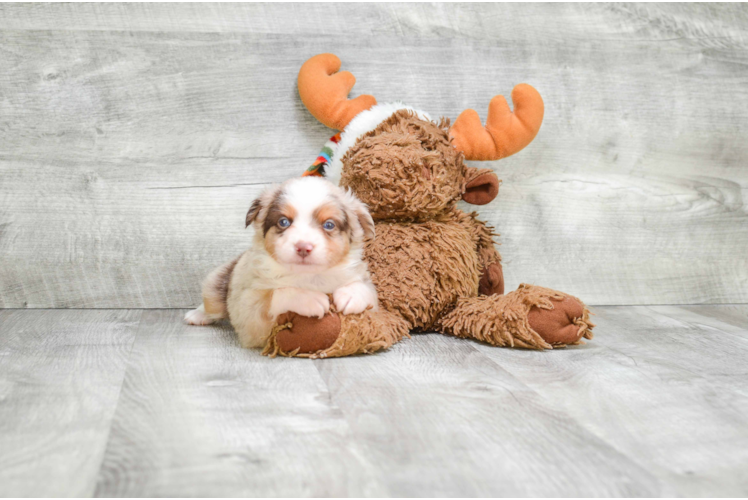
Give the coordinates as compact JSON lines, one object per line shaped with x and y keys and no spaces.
{"x":397,"y":160}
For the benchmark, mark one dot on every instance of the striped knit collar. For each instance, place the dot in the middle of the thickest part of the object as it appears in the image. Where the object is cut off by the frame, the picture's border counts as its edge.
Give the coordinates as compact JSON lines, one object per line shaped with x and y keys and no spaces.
{"x":317,"y":168}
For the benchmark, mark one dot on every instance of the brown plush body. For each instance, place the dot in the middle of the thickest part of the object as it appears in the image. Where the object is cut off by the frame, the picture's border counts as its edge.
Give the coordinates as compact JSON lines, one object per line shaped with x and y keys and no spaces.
{"x":434,"y":266}
{"x":427,"y":276}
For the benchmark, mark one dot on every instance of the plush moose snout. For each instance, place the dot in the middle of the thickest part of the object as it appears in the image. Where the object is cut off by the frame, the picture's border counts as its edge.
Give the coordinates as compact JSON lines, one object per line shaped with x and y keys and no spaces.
{"x":481,"y":186}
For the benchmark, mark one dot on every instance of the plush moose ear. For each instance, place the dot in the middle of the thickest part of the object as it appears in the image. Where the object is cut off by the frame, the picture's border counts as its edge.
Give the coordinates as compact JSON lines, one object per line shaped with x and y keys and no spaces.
{"x":481,"y":186}
{"x":254,"y":211}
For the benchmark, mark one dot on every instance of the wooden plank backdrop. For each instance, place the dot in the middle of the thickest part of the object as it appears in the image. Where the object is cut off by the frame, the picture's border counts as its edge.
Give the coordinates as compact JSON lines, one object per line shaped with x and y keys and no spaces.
{"x":134,"y":136}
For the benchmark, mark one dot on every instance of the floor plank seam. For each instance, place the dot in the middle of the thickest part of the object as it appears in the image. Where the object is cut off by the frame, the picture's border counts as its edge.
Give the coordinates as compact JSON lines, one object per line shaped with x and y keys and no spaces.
{"x":364,"y":450}
{"x":549,"y":404}
{"x":116,"y":405}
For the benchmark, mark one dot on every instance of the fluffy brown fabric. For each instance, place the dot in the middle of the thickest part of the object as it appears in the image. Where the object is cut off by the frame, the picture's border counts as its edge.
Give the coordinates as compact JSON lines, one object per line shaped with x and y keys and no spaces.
{"x":483,"y":235}
{"x":502,"y":320}
{"x":405,"y":169}
{"x":419,"y":268}
{"x":363,"y":333}
{"x":434,"y":266}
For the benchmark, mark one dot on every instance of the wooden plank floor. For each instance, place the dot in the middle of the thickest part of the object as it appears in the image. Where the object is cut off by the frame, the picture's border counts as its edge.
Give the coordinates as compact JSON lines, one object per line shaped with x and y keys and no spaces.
{"x":133,"y":403}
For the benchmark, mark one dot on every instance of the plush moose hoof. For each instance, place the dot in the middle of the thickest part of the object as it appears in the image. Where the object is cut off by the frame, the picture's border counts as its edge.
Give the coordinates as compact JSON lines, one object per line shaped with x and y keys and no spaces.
{"x":492,"y":280}
{"x":558,"y":325}
{"x":308,"y":335}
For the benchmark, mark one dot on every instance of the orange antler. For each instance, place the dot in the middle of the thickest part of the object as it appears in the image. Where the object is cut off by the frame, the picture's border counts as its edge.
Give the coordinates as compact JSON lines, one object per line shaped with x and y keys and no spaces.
{"x":324,"y":91}
{"x":505,"y":133}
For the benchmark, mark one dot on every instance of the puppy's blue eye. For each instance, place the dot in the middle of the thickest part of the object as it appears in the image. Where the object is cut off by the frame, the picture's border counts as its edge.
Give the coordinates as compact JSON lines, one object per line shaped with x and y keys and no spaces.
{"x":328,"y":225}
{"x":284,"y":222}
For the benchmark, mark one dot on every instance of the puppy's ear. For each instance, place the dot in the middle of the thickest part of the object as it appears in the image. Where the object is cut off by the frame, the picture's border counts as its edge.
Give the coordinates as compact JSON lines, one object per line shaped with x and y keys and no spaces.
{"x":355,"y":208}
{"x":254,"y":211}
{"x":367,"y":223}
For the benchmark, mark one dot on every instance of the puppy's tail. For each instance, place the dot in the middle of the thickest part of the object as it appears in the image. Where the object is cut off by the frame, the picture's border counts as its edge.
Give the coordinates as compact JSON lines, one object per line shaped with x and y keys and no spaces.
{"x":216,"y":290}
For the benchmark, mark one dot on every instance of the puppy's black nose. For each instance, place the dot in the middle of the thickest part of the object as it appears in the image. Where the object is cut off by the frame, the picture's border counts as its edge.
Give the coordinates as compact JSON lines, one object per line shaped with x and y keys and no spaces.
{"x":303,"y":248}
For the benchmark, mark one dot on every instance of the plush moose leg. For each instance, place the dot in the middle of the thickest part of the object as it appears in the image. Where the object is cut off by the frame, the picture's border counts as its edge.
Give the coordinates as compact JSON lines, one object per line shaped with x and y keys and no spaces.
{"x":335,"y":334}
{"x":491,"y":274}
{"x":531,"y":317}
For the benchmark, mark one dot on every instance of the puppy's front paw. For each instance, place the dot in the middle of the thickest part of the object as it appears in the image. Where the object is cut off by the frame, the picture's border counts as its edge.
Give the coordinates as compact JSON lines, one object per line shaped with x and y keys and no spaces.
{"x":312,"y":304}
{"x":355,"y":298}
{"x":304,"y":302}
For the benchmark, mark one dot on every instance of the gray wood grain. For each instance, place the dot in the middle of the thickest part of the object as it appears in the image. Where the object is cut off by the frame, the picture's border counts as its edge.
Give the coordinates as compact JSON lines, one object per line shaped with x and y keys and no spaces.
{"x":133,"y":403}
{"x":666,"y":386}
{"x":441,"y":419}
{"x":133,"y":137}
{"x":200,"y":416}
{"x":733,"y":314}
{"x":721,"y":24}
{"x":60,"y":376}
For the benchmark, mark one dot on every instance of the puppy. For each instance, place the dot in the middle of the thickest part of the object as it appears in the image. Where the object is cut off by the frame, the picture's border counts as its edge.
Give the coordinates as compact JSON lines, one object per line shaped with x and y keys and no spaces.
{"x":308,"y":243}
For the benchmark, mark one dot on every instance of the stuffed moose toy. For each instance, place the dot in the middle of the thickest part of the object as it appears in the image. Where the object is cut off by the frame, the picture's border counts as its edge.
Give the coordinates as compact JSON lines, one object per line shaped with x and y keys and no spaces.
{"x":435,"y":267}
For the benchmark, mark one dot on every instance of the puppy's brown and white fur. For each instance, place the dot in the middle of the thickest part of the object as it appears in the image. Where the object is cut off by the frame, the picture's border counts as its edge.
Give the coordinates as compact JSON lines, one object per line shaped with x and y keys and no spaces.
{"x":308,"y":242}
